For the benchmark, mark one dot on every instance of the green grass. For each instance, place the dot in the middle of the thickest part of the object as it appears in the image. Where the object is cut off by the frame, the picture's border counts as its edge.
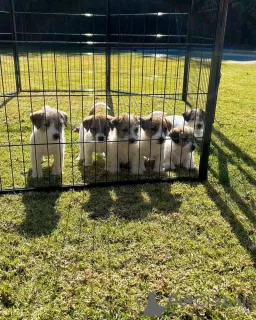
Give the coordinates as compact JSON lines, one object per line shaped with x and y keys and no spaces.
{"x":93,"y":254}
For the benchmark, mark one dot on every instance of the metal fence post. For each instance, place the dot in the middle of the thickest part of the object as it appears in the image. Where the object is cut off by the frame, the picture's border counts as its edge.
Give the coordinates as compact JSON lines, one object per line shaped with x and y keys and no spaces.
{"x":187,"y":54}
{"x":108,"y":48}
{"x":15,"y":48}
{"x":213,"y":87}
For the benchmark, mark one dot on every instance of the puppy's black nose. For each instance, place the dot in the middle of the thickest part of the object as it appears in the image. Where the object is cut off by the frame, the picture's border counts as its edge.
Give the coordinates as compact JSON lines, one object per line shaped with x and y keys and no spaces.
{"x":199,"y":126}
{"x":100,"y":138}
{"x":132,"y":140}
{"x":56,"y":136}
{"x":161,"y":140}
{"x":193,"y":148}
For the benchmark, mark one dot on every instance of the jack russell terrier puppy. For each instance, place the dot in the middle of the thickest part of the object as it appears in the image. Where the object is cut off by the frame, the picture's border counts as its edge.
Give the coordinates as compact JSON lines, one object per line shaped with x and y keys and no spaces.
{"x":93,"y":133}
{"x":47,"y":139}
{"x":154,"y":129}
{"x":123,"y":146}
{"x":178,"y":151}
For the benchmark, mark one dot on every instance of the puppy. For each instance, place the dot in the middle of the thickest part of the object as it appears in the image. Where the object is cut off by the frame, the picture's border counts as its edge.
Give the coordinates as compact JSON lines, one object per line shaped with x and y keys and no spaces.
{"x":47,"y":138}
{"x":123,"y":146}
{"x":194,"y":118}
{"x":154,"y":129}
{"x":178,"y":151}
{"x":93,"y":134}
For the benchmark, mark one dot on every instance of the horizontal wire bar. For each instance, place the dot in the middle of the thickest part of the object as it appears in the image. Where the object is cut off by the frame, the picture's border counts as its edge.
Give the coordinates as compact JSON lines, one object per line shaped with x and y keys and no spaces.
{"x":121,"y":93}
{"x":80,"y":186}
{"x":119,"y":44}
{"x":100,"y":15}
{"x":100,"y":34}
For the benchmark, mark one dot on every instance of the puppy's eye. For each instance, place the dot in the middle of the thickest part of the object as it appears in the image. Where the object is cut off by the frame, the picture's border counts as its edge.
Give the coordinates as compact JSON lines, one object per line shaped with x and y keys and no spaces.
{"x":93,"y":129}
{"x":125,"y":130}
{"x":154,"y":130}
{"x":47,"y":124}
{"x":136,"y":130}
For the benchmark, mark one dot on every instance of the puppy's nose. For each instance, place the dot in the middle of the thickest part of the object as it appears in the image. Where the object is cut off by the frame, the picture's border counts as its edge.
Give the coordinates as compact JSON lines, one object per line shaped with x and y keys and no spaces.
{"x":101,"y":138}
{"x":193,"y":148}
{"x":56,"y":136}
{"x":161,"y":140}
{"x":132,"y":140}
{"x":199,"y":126}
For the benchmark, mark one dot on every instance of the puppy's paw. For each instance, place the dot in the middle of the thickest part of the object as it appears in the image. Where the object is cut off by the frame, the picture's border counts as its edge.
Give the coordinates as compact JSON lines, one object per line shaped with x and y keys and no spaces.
{"x":36,"y":175}
{"x":169,"y":166}
{"x":190,"y":166}
{"x":88,"y":162}
{"x":56,"y":171}
{"x":158,"y":170}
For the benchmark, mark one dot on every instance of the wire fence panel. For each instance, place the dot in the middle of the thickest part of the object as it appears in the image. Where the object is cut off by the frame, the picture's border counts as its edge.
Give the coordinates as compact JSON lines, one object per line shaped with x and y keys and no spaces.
{"x":58,"y":60}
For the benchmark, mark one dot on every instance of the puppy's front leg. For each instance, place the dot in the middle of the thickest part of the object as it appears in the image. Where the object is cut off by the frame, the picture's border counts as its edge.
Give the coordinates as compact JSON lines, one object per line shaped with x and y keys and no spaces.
{"x":88,"y":150}
{"x":58,"y":161}
{"x":159,"y":163}
{"x":112,"y":159}
{"x":189,"y":163}
{"x":36,"y":158}
{"x":137,"y":164}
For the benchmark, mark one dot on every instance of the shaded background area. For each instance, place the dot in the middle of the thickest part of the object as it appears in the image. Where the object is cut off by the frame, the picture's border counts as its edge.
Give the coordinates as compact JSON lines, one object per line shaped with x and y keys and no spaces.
{"x":240,"y":32}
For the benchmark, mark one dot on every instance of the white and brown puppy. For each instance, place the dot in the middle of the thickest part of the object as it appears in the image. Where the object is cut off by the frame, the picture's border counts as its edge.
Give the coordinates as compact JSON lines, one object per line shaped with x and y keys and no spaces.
{"x":47,"y":139}
{"x":194,"y":118}
{"x":154,"y":129}
{"x":93,"y":133}
{"x":178,"y":151}
{"x":123,"y":146}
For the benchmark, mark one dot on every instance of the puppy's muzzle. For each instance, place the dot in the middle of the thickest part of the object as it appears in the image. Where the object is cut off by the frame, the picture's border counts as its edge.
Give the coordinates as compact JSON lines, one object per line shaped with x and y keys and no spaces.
{"x":56,"y":136}
{"x":132,"y":140}
{"x":161,"y":140}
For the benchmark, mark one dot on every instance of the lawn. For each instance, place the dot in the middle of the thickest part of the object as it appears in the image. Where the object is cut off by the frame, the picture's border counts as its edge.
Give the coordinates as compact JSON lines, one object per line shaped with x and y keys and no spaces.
{"x":96,"y":254}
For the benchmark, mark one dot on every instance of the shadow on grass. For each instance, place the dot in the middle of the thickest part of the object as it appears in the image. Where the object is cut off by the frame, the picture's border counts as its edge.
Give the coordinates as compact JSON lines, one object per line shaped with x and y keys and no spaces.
{"x":222,"y":200}
{"x":40,"y":207}
{"x":132,"y":202}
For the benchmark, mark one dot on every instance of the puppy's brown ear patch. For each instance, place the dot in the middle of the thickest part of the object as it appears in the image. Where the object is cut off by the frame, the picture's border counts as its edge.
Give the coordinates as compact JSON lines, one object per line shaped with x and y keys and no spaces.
{"x":187,"y":115}
{"x":144,"y":123}
{"x":168,"y":123}
{"x":65,"y":117}
{"x":114,"y":123}
{"x":110,"y":118}
{"x":37,"y":118}
{"x":87,"y":123}
{"x":175,"y":136}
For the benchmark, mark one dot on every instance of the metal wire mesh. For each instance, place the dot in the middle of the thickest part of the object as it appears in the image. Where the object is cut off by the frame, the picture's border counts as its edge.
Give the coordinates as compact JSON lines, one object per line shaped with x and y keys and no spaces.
{"x":135,"y":57}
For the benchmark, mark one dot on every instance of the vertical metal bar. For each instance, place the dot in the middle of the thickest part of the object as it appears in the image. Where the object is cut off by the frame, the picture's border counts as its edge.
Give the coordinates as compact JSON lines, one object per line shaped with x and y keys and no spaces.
{"x":187,"y":54}
{"x":108,"y":48}
{"x":213,"y":86}
{"x":15,"y":48}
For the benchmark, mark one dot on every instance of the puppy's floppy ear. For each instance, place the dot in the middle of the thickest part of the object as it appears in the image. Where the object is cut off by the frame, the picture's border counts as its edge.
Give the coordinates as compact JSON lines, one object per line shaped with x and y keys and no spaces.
{"x":186,"y":115}
{"x":113,"y":123}
{"x":65,"y":117}
{"x":137,"y":120}
{"x":168,"y":123}
{"x":87,"y":122}
{"x":37,"y":118}
{"x":109,"y":118}
{"x":202,"y":114}
{"x":175,"y":136}
{"x":144,"y":123}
